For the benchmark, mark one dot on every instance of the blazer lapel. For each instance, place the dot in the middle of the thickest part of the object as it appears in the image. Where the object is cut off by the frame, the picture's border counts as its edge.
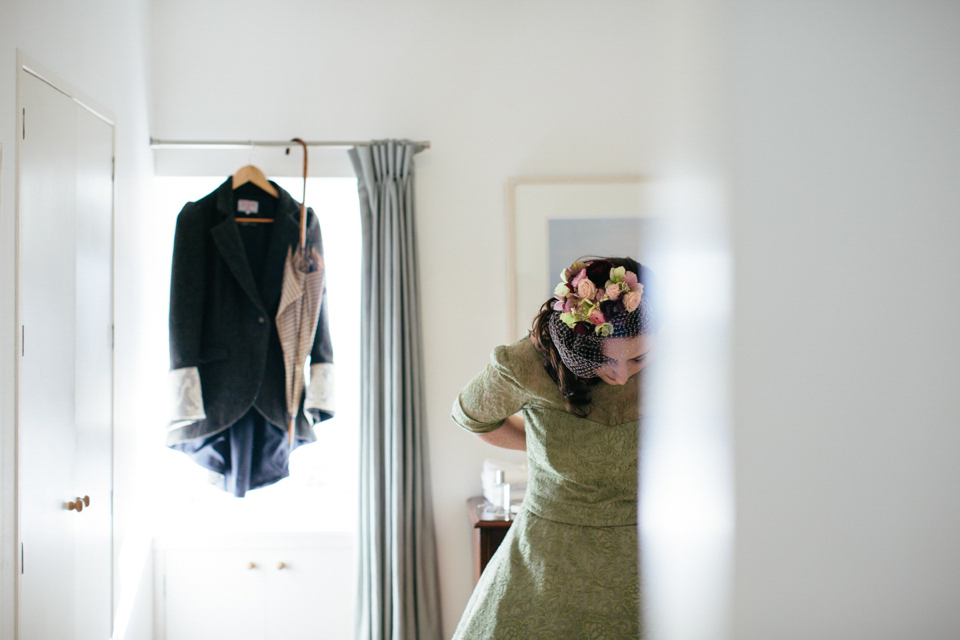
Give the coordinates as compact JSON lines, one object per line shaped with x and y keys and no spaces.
{"x":228,"y":241}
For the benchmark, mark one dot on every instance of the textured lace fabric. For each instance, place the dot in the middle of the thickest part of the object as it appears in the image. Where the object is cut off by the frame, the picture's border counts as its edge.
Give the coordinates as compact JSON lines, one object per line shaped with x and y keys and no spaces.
{"x":568,"y":566}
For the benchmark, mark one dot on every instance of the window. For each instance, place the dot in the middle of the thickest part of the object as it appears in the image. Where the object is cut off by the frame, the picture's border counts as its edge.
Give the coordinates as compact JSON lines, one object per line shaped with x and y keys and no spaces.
{"x":321,"y":493}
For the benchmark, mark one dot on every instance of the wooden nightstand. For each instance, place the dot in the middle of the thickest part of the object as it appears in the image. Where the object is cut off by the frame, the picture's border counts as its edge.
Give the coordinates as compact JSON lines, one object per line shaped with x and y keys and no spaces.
{"x":488,"y":533}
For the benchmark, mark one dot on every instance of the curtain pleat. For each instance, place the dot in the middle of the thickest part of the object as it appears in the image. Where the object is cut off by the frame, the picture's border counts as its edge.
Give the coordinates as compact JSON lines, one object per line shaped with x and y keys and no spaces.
{"x":399,"y":594}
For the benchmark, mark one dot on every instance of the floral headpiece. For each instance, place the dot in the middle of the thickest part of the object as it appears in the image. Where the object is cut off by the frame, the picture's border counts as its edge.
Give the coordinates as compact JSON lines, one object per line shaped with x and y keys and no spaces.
{"x":593,"y":292}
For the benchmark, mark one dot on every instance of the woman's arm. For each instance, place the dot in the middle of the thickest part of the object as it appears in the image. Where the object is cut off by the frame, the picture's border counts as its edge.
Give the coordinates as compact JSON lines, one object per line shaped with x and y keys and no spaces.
{"x":510,"y":435}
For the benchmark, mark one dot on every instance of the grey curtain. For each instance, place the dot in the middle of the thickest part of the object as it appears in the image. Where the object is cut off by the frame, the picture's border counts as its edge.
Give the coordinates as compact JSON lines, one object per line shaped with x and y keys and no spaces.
{"x":399,"y":595}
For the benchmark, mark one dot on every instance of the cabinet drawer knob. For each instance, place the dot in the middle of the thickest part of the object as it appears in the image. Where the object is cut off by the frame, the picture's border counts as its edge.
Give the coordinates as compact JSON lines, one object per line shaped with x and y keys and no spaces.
{"x":251,"y":565}
{"x":76,"y":505}
{"x":281,"y":565}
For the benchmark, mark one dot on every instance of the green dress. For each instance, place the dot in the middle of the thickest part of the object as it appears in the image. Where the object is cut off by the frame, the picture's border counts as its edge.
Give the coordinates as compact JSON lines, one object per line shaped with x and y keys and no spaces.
{"x":568,"y":566}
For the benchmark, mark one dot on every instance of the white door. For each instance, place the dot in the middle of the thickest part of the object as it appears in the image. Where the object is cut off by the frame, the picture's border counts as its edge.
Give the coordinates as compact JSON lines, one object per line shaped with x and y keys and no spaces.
{"x":94,"y":377}
{"x":313,"y":594}
{"x":64,"y":377}
{"x":214,"y":593}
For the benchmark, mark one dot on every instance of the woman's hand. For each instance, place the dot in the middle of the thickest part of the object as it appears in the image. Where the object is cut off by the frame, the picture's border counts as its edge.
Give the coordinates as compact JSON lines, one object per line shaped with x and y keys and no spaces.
{"x":510,"y":435}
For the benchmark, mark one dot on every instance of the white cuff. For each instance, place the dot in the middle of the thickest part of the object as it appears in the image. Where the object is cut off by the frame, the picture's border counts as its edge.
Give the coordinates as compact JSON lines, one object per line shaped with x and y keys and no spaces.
{"x":320,"y":392}
{"x":186,"y":397}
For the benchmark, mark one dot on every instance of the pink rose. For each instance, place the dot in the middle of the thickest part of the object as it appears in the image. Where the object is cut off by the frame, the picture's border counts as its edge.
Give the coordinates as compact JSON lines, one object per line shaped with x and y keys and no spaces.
{"x":597,"y":317}
{"x":586,"y":289}
{"x":613,"y":292}
{"x":631,"y":301}
{"x":631,"y":279}
{"x":579,"y":278}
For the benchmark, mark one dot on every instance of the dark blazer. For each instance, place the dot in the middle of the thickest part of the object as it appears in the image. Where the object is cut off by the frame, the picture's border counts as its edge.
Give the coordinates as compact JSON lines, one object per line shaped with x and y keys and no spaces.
{"x":222,"y":318}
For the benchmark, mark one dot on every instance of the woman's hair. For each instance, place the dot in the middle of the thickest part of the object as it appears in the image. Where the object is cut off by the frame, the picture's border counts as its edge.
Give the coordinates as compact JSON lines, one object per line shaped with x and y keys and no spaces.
{"x":576,"y":389}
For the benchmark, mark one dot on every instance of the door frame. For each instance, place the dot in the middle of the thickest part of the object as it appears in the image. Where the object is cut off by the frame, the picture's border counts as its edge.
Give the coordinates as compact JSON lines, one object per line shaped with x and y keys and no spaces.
{"x":26,"y":64}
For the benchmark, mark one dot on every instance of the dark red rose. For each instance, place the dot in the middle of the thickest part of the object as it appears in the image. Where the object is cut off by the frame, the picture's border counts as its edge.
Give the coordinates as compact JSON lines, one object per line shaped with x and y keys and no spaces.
{"x":599,"y":272}
{"x":612,"y":308}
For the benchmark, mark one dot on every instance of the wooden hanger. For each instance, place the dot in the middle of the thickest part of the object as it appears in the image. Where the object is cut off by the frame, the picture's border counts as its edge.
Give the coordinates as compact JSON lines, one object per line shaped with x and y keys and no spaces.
{"x":252,"y":174}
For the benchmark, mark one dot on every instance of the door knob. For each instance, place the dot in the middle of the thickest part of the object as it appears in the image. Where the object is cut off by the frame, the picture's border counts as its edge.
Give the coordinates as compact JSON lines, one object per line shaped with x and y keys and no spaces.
{"x":78,"y":504}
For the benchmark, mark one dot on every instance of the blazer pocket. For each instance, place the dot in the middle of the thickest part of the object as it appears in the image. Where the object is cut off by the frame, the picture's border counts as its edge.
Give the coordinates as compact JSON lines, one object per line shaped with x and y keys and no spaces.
{"x":213,"y":352}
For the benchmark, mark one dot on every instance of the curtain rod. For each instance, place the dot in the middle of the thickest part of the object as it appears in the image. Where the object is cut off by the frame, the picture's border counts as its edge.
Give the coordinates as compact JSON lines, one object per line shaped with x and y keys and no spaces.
{"x":156,"y":143}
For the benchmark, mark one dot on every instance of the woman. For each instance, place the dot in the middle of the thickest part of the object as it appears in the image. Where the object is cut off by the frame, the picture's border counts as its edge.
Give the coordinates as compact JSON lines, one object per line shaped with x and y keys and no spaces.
{"x":568,"y":566}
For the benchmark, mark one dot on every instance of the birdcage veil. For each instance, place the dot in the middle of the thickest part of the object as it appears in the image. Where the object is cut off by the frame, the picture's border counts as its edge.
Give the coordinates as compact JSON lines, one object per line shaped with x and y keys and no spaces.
{"x":596,"y":301}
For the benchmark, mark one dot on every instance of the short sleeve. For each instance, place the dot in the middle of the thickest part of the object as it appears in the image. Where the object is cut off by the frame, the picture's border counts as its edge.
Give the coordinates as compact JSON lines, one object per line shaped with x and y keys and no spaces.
{"x":491,"y":397}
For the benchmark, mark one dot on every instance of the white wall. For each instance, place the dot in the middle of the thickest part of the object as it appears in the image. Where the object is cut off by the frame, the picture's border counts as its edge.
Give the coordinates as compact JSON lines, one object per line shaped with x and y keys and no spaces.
{"x":845,"y":233}
{"x":100,"y":48}
{"x":499,"y":88}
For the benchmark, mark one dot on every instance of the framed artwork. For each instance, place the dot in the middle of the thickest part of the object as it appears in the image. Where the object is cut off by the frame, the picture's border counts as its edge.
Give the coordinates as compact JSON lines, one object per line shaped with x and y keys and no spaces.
{"x":553,"y":221}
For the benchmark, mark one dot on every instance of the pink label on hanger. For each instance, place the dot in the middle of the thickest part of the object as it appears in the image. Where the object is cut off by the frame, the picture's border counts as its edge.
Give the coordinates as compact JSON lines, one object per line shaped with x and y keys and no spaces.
{"x":248,"y":206}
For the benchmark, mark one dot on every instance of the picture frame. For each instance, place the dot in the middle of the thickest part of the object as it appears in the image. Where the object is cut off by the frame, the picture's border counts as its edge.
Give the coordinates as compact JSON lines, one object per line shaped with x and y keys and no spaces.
{"x":554,"y":220}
